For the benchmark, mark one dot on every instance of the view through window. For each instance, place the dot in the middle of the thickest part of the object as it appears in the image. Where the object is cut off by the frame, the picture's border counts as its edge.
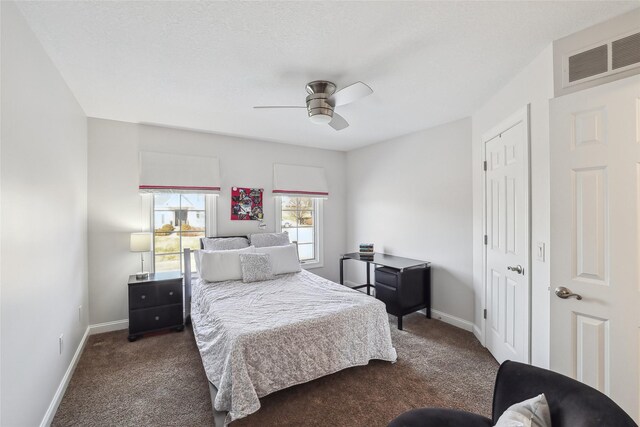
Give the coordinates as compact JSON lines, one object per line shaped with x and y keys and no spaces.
{"x":299,"y":220}
{"x":179,"y":221}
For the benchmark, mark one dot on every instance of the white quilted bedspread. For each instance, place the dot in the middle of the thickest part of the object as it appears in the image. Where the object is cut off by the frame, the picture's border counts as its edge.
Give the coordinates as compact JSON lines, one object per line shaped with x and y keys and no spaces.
{"x":257,"y":338}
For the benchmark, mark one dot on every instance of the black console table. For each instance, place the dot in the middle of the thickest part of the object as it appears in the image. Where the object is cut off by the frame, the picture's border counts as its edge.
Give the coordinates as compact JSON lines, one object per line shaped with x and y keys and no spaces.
{"x":403,"y":284}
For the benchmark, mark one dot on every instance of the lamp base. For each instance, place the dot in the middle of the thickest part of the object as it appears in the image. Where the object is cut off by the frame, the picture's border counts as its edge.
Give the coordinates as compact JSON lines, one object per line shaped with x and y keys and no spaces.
{"x":142,"y":275}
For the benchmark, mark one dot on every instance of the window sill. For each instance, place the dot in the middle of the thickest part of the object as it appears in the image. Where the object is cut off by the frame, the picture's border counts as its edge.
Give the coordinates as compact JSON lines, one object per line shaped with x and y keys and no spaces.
{"x":312,"y":265}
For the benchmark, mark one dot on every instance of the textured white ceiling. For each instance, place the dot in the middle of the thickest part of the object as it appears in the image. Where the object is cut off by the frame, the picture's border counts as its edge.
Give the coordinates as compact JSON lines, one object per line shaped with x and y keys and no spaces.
{"x":203,"y":65}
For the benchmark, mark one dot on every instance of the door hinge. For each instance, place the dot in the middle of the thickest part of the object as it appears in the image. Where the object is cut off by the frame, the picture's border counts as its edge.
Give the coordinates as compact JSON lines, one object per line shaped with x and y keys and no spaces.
{"x":486,"y":239}
{"x":485,"y":313}
{"x":484,"y":165}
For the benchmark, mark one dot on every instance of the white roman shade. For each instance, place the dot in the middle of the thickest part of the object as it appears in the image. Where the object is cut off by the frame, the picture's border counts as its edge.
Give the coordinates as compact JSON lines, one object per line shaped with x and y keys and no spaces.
{"x":292,"y":180}
{"x":177,"y":173}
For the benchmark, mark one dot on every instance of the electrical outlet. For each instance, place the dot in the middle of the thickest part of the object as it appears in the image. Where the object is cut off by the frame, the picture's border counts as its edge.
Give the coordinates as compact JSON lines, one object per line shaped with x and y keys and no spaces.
{"x":540,"y":251}
{"x":60,"y":341}
{"x":80,"y":314}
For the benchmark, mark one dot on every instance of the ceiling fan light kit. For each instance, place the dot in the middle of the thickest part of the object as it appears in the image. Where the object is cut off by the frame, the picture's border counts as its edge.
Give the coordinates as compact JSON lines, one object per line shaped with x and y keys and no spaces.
{"x":319,"y":108}
{"x":323,"y":98}
{"x":320,"y":118}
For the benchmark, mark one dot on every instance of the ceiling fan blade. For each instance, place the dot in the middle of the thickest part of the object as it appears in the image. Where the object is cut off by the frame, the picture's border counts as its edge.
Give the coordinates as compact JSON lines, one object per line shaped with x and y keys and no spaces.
{"x":338,"y":122}
{"x":351,"y":93}
{"x":278,"y":106}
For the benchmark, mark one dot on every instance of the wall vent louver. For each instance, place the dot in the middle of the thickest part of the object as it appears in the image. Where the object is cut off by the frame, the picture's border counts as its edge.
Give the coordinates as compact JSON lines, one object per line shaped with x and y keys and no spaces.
{"x":625,"y":51}
{"x":588,"y":63}
{"x":620,"y":54}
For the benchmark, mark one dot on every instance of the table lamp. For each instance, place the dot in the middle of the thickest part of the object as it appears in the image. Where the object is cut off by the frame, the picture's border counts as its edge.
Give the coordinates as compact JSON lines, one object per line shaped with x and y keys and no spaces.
{"x":141,"y":242}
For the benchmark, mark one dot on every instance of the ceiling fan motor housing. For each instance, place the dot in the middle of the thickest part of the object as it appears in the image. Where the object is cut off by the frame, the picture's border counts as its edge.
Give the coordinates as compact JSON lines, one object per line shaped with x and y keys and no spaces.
{"x":318,"y":101}
{"x":323,"y":98}
{"x":318,"y":104}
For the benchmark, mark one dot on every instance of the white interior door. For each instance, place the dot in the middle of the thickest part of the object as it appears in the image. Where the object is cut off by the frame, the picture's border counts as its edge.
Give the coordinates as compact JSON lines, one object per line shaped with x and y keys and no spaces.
{"x":507,"y":231}
{"x":595,"y":170}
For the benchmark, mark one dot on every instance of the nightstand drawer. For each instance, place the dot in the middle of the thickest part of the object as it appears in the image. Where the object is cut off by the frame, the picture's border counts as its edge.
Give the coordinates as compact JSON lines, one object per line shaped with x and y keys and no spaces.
{"x":170,"y":293}
{"x":149,"y":319}
{"x":141,"y":296}
{"x":387,"y":276}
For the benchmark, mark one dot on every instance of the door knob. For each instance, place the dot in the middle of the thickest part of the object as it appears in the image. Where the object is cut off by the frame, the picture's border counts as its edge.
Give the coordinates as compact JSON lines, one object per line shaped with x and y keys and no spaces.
{"x":518,"y":269}
{"x":565,"y":293}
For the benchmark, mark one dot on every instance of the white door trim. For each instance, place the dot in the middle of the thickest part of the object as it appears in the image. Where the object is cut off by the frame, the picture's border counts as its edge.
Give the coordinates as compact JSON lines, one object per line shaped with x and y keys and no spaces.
{"x":522,"y":115}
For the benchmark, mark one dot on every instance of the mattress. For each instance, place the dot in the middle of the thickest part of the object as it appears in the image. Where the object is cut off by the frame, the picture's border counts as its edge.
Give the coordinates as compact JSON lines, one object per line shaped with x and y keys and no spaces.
{"x":258,"y":338}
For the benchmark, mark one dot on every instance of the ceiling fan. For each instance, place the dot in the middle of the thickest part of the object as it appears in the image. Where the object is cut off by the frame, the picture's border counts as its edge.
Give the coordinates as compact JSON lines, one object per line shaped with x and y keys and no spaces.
{"x":323,"y":98}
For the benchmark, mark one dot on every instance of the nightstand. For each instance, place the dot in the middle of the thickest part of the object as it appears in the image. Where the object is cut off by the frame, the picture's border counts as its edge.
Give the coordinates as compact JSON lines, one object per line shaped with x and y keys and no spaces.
{"x":155,"y":304}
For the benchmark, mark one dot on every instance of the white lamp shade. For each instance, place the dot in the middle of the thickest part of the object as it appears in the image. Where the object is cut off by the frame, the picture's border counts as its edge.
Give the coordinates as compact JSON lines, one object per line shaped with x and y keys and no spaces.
{"x":140,"y":242}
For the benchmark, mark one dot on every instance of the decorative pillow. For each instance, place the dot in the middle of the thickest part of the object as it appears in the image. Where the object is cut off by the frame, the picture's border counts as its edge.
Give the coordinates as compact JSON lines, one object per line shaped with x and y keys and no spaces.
{"x":255,"y":267}
{"x":284,"y":259}
{"x":218,"y":266}
{"x":224,"y":243}
{"x":261,"y":240}
{"x":533,"y":412}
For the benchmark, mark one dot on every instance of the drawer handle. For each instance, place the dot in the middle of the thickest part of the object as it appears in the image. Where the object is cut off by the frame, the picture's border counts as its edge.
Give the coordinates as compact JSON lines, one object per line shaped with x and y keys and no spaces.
{"x":143,"y":296}
{"x":171,"y":293}
{"x":157,"y":317}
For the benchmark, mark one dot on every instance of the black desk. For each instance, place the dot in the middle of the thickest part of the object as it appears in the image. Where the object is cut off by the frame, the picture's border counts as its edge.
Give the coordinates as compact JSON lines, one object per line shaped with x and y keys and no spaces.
{"x":403,"y":284}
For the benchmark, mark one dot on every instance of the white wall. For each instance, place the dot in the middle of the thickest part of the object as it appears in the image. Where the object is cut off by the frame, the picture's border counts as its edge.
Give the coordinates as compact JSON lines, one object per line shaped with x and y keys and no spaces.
{"x":44,"y":224}
{"x":115,"y":206}
{"x":411,"y":196}
{"x":533,"y":85}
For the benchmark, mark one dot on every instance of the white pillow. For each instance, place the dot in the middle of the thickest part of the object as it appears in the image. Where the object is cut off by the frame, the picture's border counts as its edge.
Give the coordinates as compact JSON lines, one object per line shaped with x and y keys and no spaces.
{"x":217,"y":266}
{"x":533,"y":412}
{"x":284,"y":259}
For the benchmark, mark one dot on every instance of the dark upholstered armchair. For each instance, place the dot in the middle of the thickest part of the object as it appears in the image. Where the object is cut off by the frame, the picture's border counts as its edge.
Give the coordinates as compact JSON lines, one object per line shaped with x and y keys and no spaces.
{"x":571,"y":402}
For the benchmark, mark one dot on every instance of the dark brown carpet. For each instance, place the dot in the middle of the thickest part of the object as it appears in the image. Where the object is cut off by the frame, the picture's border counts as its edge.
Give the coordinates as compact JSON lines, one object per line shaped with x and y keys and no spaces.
{"x":159,"y":381}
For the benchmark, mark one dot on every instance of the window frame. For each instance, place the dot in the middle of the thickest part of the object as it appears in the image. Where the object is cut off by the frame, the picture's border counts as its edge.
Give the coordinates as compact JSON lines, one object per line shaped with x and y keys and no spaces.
{"x":210,"y":209}
{"x":318,"y":228}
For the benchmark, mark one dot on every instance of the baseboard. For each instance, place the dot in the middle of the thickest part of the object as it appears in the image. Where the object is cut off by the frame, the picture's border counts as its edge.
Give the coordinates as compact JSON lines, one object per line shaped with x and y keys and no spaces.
{"x":478,"y":333}
{"x":100,"y":328}
{"x":62,"y":388}
{"x":452,"y":320}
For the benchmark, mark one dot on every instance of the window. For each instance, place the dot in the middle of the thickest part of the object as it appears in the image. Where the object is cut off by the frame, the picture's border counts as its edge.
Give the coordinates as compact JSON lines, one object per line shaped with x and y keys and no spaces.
{"x":178,"y":222}
{"x":301,"y":218}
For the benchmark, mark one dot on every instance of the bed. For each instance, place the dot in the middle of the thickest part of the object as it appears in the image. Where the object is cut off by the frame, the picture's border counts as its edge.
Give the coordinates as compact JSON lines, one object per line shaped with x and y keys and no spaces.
{"x":257,"y":338}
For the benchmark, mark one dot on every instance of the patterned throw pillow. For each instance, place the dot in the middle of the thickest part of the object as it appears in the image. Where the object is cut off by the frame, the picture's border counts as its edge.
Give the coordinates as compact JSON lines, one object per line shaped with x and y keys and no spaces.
{"x":225,"y":243}
{"x":255,"y":267}
{"x":261,"y":240}
{"x":532,"y":412}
